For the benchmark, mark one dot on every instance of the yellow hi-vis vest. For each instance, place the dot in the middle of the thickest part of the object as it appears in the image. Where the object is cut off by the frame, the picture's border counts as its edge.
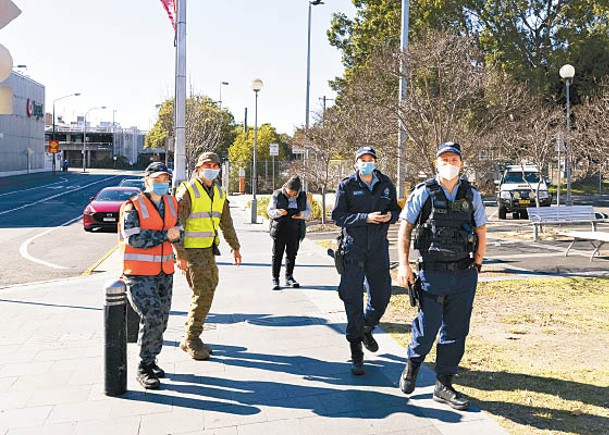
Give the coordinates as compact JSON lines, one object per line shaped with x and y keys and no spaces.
{"x":201,"y":226}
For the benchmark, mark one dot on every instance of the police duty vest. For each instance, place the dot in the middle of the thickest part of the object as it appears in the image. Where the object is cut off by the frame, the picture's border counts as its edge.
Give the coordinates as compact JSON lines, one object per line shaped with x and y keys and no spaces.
{"x":201,"y":226}
{"x":286,"y":223}
{"x":445,"y":229}
{"x":160,"y":258}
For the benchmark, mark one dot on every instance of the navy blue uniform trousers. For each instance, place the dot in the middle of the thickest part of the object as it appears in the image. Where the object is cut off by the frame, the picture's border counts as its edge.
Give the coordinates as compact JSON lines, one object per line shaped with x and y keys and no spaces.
{"x":451,"y":318}
{"x":375,"y":267}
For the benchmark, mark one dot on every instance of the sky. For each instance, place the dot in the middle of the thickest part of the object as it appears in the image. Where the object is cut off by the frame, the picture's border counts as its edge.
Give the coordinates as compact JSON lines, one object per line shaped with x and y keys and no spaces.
{"x":120,"y":54}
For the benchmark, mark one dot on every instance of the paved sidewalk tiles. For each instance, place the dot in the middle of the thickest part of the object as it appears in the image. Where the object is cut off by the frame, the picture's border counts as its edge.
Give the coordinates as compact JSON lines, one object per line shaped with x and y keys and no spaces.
{"x":280,"y":362}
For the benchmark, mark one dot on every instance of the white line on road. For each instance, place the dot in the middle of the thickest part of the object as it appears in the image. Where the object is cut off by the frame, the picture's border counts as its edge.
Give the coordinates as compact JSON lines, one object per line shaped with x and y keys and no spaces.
{"x":55,"y":196}
{"x":33,"y":188}
{"x":23,"y":248}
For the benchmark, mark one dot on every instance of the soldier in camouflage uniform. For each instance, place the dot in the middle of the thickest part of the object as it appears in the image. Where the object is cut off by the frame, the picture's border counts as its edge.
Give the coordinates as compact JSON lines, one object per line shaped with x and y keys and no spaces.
{"x":148,"y":265}
{"x":203,"y":209}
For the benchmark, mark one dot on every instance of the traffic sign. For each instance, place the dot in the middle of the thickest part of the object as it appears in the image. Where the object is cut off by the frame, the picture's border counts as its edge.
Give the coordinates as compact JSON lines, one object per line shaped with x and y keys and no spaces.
{"x":53,"y":146}
{"x":274,"y":149}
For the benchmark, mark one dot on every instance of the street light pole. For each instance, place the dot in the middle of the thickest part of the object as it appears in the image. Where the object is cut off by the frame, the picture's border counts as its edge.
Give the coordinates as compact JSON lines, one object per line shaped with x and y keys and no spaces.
{"x":256,"y":86}
{"x":76,"y":94}
{"x":84,"y":138}
{"x":311,"y":3}
{"x":567,"y":72}
{"x":220,"y":99}
{"x":401,"y":170}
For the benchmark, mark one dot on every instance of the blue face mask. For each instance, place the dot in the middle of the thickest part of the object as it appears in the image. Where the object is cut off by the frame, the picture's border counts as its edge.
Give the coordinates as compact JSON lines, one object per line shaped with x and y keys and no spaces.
{"x":210,"y":174}
{"x":365,"y":168}
{"x":160,"y":188}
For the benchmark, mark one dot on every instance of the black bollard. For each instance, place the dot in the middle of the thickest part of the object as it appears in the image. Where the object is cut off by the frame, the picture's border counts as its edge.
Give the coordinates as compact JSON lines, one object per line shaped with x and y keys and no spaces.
{"x":133,"y":324}
{"x":115,"y":349}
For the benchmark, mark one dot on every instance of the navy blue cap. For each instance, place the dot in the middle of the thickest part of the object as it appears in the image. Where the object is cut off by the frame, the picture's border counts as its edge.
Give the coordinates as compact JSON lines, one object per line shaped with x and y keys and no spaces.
{"x":449,"y":147}
{"x":363,"y":151}
{"x":156,"y":168}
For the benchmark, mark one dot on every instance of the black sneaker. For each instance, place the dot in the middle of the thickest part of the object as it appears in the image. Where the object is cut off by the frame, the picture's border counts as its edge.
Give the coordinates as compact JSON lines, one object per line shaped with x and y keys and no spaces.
{"x":159,"y":372}
{"x":291,"y":282}
{"x":147,"y":378}
{"x":444,"y":392}
{"x":357,"y":359}
{"x":369,"y":341}
{"x":276,"y":284}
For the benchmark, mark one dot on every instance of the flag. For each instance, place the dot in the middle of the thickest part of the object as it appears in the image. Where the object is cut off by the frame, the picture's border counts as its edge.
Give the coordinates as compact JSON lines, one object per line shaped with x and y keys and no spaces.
{"x":171,"y":6}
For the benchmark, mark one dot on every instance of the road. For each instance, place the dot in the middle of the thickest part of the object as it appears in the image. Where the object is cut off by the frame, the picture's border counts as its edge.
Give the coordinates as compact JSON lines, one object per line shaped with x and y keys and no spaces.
{"x":41,"y":229}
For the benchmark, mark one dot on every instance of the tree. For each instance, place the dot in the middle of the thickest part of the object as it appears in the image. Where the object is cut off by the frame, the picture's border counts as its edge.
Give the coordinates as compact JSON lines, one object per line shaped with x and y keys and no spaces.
{"x":527,"y":39}
{"x":241,"y":152}
{"x":207,"y":128}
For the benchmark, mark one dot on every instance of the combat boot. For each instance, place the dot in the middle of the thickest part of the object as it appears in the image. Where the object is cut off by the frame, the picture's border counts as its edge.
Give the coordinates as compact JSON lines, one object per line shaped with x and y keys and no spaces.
{"x":444,"y":392}
{"x":147,"y":378}
{"x":159,"y":372}
{"x":195,"y":348}
{"x":369,"y":341}
{"x":291,"y":282}
{"x":408,"y":380}
{"x":357,"y":358}
{"x":276,"y":285}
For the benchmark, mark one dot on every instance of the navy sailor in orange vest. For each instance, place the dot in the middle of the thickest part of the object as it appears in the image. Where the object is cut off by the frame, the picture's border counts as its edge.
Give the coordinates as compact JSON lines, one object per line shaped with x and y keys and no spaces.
{"x":149,"y":224}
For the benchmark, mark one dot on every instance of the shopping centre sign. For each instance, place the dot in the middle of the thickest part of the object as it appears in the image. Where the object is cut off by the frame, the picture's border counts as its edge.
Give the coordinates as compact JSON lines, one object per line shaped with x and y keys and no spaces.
{"x":34,"y":109}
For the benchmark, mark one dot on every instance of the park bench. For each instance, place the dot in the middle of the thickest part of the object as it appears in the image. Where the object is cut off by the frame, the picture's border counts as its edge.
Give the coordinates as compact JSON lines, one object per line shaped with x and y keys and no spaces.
{"x":562,"y":214}
{"x":596,"y":238}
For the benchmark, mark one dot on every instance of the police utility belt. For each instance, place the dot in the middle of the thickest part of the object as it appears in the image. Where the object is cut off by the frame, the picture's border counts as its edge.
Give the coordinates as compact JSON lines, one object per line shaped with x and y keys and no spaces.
{"x":446,"y":267}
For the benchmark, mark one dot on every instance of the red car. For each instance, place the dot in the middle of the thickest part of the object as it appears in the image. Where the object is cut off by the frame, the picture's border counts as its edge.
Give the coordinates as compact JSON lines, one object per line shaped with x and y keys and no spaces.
{"x":102,"y":211}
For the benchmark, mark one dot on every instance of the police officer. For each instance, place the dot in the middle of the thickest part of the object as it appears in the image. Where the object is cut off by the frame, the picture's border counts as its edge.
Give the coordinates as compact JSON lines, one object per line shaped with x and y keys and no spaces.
{"x":203,"y":209}
{"x":448,"y":217}
{"x":148,"y":224}
{"x":365,"y":206}
{"x":287,"y":209}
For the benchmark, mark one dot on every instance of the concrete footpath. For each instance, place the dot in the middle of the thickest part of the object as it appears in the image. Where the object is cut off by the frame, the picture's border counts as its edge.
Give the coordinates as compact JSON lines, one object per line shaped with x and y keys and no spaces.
{"x":280,"y":361}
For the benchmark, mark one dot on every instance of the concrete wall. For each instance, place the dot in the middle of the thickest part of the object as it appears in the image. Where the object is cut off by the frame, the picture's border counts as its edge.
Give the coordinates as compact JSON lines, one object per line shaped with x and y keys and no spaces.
{"x":22,"y":145}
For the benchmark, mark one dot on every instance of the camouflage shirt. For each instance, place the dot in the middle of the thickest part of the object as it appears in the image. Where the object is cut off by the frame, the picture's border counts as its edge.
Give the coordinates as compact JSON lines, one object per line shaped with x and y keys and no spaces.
{"x":226,"y":221}
{"x":143,"y":239}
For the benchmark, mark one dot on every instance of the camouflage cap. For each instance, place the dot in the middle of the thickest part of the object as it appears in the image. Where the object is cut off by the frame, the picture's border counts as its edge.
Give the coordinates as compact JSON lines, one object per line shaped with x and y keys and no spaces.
{"x":208,"y":157}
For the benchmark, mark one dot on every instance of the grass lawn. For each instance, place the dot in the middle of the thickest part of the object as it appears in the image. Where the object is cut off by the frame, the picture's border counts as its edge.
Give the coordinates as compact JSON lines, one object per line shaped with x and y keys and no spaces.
{"x":537,"y":357}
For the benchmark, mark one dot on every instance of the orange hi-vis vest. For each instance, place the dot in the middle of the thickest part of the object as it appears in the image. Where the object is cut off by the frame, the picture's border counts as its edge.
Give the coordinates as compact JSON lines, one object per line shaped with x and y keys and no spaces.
{"x":160,"y":258}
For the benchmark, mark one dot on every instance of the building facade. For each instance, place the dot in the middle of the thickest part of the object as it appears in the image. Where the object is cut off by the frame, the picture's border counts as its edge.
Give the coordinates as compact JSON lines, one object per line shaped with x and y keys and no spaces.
{"x":22,"y":134}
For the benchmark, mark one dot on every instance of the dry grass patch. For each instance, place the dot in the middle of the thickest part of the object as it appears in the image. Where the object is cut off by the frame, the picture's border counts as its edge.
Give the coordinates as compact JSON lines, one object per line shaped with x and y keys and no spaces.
{"x":537,"y":357}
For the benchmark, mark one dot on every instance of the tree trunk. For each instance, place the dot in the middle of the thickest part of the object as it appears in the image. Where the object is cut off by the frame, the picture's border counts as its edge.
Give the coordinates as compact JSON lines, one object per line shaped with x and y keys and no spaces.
{"x":323,"y":204}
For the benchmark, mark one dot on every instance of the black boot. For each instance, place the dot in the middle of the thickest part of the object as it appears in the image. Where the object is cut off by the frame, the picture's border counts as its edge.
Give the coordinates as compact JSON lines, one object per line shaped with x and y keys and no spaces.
{"x":147,"y":378}
{"x":408,"y":380}
{"x":369,"y":341}
{"x":445,"y":393}
{"x":276,"y":284}
{"x":357,"y":358}
{"x":291,"y":282}
{"x":159,"y":372}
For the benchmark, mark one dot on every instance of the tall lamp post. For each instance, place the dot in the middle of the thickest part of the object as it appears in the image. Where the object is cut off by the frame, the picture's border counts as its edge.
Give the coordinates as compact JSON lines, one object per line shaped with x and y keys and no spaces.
{"x":567,"y":72}
{"x":84,"y":138}
{"x":220,"y":99}
{"x":311,"y":4}
{"x":256,"y":86}
{"x":76,"y":94}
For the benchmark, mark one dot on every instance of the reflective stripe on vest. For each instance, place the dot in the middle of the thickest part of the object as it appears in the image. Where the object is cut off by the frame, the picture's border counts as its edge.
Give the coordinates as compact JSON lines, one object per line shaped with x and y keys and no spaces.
{"x":201,"y":226}
{"x":157,"y":259}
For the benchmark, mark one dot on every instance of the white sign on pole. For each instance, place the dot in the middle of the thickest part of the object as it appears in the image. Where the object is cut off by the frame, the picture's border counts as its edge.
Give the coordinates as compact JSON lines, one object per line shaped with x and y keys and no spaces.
{"x":241,"y":172}
{"x":274,"y":149}
{"x":296,"y":150}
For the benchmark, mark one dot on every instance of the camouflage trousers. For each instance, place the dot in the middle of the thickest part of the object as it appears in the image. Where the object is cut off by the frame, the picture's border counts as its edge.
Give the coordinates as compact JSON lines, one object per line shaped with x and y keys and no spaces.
{"x":202,"y":277}
{"x":150,"y":297}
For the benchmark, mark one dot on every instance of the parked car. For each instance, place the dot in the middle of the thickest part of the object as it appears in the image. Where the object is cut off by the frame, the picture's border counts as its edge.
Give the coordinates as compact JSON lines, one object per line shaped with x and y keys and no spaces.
{"x":515,"y":194}
{"x":133,"y":182}
{"x":102,"y":211}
